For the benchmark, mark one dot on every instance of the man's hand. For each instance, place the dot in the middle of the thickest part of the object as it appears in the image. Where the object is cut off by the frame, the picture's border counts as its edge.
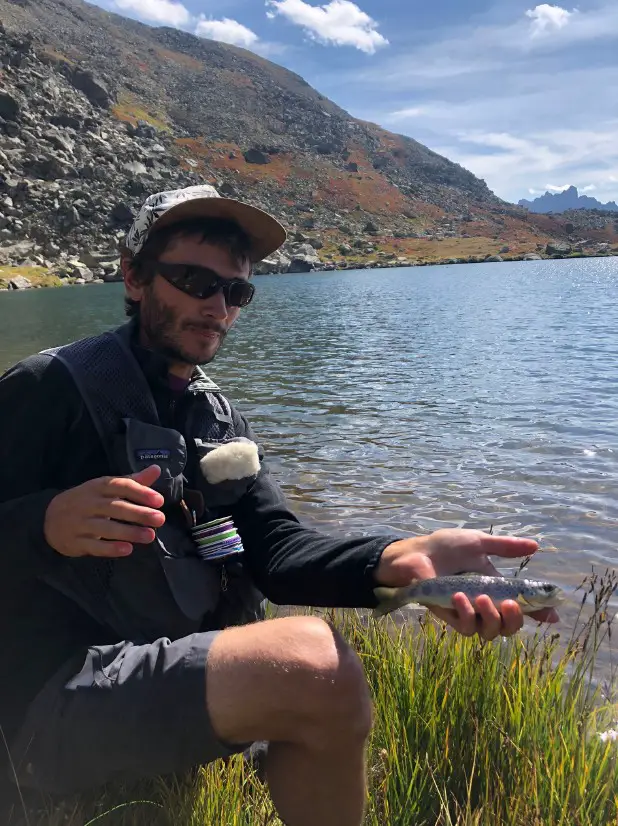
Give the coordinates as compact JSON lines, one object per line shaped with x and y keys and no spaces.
{"x":452,"y":551}
{"x":90,"y":520}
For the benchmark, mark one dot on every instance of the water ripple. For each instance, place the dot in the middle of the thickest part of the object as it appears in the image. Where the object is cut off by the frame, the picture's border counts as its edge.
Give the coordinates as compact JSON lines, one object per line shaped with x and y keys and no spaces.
{"x":415,"y":399}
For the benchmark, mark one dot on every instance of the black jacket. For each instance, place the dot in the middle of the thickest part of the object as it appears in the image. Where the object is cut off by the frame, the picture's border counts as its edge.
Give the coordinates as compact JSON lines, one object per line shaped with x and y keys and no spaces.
{"x":48,"y":444}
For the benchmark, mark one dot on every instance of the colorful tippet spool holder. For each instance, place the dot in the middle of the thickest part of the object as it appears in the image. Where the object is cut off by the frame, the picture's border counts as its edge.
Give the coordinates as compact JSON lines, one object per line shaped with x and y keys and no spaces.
{"x":218,"y":539}
{"x":227,"y":471}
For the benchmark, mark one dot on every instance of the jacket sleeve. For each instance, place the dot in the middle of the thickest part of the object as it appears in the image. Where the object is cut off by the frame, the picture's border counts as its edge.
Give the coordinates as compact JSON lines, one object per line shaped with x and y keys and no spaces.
{"x":32,"y":410}
{"x":293,"y":564}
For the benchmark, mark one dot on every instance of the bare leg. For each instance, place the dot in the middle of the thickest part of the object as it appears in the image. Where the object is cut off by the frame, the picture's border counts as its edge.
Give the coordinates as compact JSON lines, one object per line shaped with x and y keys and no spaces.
{"x":295,"y":682}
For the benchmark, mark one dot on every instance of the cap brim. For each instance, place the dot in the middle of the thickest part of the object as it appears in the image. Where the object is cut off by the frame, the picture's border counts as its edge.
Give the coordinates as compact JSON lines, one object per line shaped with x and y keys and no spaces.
{"x":265,"y":232}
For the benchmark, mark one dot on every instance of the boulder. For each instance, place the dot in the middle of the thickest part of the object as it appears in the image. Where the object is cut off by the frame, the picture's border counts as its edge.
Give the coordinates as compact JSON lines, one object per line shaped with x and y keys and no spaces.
{"x":304,"y":249}
{"x":9,"y":106}
{"x":66,"y":119}
{"x":112,"y":276}
{"x":277,"y":263}
{"x":16,"y":252}
{"x":228,"y":190}
{"x":122,"y":214}
{"x":59,"y":141}
{"x":494,"y":259}
{"x":49,"y":167}
{"x":304,"y":263}
{"x":80,"y":271}
{"x":68,"y":216}
{"x":19,"y":282}
{"x":99,"y":259}
{"x":93,"y":87}
{"x":557,"y":248}
{"x":326,"y":148}
{"x":256,"y":156}
{"x":351,"y":167}
{"x":532,"y":256}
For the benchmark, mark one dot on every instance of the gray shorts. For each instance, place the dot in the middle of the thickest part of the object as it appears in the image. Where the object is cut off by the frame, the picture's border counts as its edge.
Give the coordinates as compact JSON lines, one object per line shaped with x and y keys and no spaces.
{"x":121,"y":711}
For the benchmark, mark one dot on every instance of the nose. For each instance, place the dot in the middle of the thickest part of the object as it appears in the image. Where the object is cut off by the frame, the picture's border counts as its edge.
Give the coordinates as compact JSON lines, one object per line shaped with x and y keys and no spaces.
{"x":215,"y":306}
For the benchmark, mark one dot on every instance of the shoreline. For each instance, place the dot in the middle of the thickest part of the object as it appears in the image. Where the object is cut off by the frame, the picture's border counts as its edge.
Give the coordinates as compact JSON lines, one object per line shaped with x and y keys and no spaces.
{"x":20,"y":278}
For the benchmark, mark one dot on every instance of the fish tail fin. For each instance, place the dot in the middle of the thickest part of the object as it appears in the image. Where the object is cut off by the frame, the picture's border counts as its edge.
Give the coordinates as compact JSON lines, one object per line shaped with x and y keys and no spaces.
{"x":389,"y":599}
{"x":384,"y":593}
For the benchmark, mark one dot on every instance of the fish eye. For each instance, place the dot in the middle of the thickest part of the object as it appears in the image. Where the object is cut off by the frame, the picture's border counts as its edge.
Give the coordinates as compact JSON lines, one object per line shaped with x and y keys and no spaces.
{"x":548,"y":588}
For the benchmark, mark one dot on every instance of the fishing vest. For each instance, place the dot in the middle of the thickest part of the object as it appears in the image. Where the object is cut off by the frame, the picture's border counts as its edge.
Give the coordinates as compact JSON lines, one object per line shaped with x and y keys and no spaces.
{"x":163,"y":588}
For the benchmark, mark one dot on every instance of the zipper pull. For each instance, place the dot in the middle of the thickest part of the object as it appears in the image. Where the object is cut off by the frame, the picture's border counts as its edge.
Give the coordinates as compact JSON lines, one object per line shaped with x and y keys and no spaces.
{"x":223,"y":579}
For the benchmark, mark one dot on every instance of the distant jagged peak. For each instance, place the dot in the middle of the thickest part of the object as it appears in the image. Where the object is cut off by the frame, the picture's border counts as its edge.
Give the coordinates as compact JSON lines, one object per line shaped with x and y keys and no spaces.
{"x":565,"y":200}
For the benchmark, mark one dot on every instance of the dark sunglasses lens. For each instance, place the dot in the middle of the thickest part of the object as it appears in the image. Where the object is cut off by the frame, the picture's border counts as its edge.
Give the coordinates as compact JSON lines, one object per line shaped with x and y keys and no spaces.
{"x":239,"y":293}
{"x":200,"y":283}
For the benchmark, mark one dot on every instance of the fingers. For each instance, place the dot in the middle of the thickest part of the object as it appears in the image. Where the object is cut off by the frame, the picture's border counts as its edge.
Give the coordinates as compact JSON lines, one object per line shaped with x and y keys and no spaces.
{"x":466,"y":615}
{"x":483,"y":618}
{"x":512,"y":618}
{"x":492,"y":621}
{"x":119,"y":531}
{"x":133,"y":490}
{"x":148,"y":476}
{"x":125,"y":511}
{"x":102,"y":548}
{"x":509,"y":546}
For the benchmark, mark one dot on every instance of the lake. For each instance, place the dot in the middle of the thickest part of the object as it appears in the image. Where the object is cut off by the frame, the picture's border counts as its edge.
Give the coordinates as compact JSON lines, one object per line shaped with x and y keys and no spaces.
{"x":420,"y":398}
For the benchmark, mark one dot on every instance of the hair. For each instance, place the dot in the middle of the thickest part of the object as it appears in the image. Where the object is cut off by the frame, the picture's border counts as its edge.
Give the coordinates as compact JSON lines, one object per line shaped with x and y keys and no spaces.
{"x":220,"y":232}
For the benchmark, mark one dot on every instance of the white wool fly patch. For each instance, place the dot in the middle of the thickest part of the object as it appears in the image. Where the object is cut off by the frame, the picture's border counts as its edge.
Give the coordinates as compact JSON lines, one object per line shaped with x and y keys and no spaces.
{"x":234,"y":460}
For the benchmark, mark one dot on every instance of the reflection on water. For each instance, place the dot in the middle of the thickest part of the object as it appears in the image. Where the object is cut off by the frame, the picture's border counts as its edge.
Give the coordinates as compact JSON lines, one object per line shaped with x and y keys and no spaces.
{"x":420,"y":398}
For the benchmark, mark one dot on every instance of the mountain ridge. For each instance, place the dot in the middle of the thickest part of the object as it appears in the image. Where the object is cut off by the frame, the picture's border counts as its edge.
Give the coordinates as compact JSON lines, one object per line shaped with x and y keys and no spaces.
{"x":100,"y":110}
{"x":568,"y":199}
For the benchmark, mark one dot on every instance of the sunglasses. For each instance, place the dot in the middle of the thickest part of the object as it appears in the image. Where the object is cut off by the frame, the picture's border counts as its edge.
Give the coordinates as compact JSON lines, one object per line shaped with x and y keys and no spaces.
{"x":202,"y":282}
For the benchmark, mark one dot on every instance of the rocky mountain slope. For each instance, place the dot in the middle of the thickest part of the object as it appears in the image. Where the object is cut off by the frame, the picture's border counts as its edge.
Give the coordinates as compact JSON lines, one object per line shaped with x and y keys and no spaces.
{"x":558,"y":202}
{"x":96,"y":111}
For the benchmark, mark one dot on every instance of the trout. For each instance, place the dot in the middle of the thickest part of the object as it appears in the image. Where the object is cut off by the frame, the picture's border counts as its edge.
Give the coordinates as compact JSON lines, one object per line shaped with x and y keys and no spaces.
{"x":531,"y":595}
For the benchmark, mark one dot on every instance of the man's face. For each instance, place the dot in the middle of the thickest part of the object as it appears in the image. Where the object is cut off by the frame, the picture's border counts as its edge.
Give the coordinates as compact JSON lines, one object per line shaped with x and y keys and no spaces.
{"x":187,"y":330}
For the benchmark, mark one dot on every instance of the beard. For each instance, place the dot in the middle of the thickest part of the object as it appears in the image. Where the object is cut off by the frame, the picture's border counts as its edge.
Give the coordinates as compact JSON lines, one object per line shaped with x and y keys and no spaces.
{"x":163,"y":330}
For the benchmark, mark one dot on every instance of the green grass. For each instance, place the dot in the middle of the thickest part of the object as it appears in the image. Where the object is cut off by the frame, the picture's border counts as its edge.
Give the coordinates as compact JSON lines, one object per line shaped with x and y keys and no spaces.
{"x":466,"y":734}
{"x":38,"y":276}
{"x":131,"y":110}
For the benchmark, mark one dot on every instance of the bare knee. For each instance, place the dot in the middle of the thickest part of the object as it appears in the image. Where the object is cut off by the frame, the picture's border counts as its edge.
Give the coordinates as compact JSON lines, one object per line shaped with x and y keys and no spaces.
{"x":291,"y":679}
{"x":334,"y":701}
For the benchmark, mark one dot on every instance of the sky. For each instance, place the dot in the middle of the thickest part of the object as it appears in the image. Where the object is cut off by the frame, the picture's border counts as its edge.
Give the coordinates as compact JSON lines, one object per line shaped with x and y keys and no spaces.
{"x":524,"y":95}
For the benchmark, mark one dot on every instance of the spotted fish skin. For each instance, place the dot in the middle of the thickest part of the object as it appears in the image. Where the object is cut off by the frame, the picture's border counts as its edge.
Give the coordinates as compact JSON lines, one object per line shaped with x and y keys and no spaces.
{"x":437,"y":592}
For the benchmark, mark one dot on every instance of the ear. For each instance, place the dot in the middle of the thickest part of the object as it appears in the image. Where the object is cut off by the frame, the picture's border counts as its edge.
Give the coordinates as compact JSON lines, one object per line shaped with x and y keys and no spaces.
{"x":133,"y":288}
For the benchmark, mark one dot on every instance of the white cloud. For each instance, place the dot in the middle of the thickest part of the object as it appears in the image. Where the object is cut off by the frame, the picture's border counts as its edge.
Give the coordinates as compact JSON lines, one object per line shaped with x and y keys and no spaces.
{"x":471,"y":54}
{"x":571,"y":154}
{"x":553,"y":125}
{"x":404,"y":114}
{"x":165,"y":12}
{"x":339,"y":22}
{"x":227,"y":31}
{"x":546,"y":18}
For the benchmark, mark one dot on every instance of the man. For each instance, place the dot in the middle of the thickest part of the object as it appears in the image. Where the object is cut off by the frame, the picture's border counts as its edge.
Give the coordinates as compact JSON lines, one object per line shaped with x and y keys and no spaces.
{"x":127,"y":654}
